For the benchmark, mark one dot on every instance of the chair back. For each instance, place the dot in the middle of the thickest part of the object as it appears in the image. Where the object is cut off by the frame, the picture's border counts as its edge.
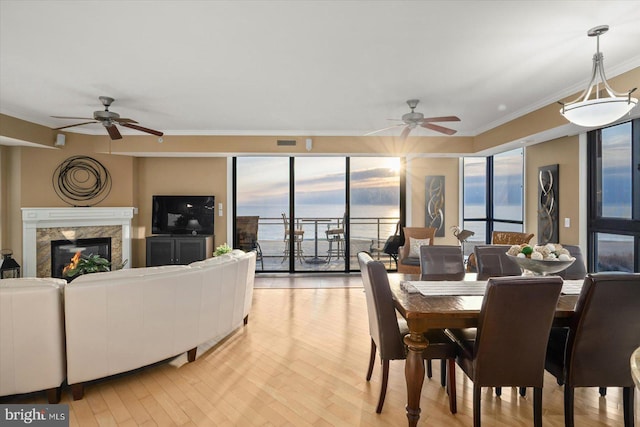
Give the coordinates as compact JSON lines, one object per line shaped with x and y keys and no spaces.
{"x":604,"y":332}
{"x":510,"y":237}
{"x":492,"y":261}
{"x":440,"y":262}
{"x":247,"y":232}
{"x":513,"y":330}
{"x":577,"y":270}
{"x":415,"y":233}
{"x":383,"y":323}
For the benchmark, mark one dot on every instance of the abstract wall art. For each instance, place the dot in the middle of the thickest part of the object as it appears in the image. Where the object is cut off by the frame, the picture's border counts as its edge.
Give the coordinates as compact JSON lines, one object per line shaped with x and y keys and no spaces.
{"x":548,"y":217}
{"x":434,"y":216}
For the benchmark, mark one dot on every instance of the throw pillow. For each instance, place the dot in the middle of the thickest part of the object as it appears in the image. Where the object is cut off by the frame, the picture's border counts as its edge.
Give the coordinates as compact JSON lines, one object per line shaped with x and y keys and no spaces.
{"x":414,"y":246}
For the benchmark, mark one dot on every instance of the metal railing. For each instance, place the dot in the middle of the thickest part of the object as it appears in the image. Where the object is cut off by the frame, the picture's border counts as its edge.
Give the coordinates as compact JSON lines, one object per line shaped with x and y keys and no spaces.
{"x":365,"y":233}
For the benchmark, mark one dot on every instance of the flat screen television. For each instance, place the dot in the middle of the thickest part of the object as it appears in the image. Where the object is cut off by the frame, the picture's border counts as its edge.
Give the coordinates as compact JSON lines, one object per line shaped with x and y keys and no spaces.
{"x":190,"y":215}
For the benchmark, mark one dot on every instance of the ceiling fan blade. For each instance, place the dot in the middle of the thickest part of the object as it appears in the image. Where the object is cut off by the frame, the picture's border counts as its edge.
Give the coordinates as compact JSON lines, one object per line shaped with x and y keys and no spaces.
{"x":77,"y":124}
{"x":440,"y":129}
{"x":383,"y":129}
{"x":75,"y":118}
{"x":123,"y":120}
{"x":442,"y":119}
{"x":405,"y":133}
{"x":143,"y":129}
{"x":114,"y":133}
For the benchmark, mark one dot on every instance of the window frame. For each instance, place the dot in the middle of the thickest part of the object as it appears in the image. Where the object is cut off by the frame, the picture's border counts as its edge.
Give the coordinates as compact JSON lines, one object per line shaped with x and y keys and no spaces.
{"x":490,"y":219}
{"x":599,"y":224}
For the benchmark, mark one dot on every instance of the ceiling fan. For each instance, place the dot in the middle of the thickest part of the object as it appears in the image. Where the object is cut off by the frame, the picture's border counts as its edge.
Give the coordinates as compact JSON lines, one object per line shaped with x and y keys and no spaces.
{"x":413,"y":119}
{"x":109,"y":119}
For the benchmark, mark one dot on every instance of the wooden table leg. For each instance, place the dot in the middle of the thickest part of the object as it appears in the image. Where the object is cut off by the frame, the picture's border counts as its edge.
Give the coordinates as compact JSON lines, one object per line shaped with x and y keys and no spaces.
{"x":414,"y":374}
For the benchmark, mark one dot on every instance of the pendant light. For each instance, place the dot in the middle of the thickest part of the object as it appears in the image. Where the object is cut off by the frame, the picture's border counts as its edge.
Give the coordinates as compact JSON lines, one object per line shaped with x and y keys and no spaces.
{"x":598,"y":111}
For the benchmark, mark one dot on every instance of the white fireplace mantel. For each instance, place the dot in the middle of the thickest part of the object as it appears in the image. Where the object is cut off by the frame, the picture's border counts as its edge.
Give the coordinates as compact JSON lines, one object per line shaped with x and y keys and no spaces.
{"x":34,"y":218}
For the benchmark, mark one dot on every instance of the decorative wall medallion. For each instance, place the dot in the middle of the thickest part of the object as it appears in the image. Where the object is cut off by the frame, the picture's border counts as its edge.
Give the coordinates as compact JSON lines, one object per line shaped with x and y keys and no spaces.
{"x":435,"y":203}
{"x":548,"y":204}
{"x":82,"y":181}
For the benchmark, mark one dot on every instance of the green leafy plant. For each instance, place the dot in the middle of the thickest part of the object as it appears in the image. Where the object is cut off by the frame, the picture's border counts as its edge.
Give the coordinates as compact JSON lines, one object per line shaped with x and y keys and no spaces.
{"x":222,"y":249}
{"x":85,"y":264}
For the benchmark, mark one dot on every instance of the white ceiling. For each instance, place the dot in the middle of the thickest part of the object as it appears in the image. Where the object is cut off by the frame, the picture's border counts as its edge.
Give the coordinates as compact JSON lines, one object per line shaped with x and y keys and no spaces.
{"x":302,"y":67}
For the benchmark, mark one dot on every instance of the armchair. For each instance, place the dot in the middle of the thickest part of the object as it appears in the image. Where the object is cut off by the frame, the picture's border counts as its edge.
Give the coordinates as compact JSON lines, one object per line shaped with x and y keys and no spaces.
{"x":409,"y":253}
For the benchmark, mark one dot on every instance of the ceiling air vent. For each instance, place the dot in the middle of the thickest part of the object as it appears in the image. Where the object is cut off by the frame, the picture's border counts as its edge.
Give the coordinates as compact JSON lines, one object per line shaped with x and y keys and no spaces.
{"x":286,"y":142}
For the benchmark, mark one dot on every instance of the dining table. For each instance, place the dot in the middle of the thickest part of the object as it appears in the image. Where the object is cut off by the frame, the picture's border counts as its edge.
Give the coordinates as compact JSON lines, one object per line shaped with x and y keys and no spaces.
{"x":448,"y":304}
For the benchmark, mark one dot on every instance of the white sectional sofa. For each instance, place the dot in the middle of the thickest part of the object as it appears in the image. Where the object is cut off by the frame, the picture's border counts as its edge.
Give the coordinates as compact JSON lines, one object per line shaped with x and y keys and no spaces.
{"x":32,"y":349}
{"x":123,"y":320}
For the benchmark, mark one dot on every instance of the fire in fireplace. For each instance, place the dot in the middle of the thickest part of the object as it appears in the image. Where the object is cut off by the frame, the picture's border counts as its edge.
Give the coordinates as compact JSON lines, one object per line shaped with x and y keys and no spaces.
{"x":63,"y":252}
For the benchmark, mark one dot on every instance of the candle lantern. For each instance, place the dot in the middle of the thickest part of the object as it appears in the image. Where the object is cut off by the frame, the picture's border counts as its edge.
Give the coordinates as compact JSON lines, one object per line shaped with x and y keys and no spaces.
{"x":9,"y":269}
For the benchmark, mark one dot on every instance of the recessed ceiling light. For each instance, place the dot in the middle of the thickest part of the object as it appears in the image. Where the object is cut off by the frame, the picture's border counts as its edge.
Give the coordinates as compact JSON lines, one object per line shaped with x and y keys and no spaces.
{"x":502,"y":107}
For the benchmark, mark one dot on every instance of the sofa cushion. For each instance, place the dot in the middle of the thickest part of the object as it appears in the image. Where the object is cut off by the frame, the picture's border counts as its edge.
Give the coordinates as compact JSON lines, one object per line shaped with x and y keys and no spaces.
{"x":128,"y":272}
{"x":32,"y":335}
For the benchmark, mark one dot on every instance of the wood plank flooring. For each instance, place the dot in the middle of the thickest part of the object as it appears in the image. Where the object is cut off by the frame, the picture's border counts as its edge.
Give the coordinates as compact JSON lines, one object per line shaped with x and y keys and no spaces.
{"x":301,"y":361}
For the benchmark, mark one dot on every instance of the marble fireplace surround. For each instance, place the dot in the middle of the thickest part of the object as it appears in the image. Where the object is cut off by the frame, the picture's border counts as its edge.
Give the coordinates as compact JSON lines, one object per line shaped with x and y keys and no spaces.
{"x":41,"y":225}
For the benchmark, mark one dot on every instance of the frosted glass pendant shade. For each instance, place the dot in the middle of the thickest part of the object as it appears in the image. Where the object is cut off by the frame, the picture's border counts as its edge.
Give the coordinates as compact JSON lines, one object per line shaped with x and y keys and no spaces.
{"x":598,"y":112}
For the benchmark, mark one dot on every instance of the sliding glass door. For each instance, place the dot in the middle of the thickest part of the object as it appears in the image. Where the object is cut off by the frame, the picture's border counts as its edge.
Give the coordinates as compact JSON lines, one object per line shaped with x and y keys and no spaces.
{"x":314,"y":214}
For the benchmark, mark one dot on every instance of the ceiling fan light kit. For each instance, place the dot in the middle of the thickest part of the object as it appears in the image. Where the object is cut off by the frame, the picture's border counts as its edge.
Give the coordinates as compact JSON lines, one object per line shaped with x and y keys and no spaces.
{"x":109,"y":119}
{"x":598,"y":111}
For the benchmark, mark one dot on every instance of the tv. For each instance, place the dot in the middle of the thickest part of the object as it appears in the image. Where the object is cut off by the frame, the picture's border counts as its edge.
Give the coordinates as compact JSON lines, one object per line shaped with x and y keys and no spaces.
{"x":174,"y":215}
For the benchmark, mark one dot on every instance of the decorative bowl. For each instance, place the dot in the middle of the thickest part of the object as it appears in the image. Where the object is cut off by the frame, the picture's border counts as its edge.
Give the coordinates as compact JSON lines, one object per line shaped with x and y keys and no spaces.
{"x":542,"y":267}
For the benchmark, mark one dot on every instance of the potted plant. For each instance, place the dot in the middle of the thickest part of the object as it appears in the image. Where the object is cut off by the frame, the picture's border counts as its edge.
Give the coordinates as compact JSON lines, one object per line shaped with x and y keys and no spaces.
{"x":85,"y":264}
{"x":222,"y":249}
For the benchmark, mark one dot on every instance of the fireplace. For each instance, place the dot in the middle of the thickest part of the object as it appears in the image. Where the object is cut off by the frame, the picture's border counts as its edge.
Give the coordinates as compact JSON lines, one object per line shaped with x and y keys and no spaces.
{"x":42,"y":225}
{"x":63,"y":251}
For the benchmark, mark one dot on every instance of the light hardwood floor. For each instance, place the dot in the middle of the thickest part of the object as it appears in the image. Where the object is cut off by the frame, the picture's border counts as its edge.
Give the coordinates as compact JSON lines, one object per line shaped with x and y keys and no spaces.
{"x":301,"y":361}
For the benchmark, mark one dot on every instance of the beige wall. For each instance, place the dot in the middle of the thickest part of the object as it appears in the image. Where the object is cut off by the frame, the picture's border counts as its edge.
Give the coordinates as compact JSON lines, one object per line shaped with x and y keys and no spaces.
{"x":10,"y":201}
{"x":169,"y":176}
{"x":418,"y":169}
{"x":565,"y":153}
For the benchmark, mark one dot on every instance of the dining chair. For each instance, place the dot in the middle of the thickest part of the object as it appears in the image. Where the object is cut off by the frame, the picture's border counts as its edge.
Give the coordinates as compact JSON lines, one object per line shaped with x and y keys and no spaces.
{"x":409,"y":252}
{"x":508,"y":347}
{"x":441,"y":262}
{"x":595,"y":350}
{"x":577,"y":270}
{"x":493,"y":261}
{"x":298,"y":237}
{"x":501,"y":238}
{"x":387,"y":330}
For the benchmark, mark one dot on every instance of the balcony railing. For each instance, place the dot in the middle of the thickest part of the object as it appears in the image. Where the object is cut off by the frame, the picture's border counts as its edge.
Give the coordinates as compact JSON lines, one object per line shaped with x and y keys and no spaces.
{"x":364,"y":234}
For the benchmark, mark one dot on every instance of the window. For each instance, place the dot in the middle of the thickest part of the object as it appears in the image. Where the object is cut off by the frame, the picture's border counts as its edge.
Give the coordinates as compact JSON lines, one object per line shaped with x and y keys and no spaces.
{"x":316,"y":195}
{"x":614,"y":198}
{"x":492,"y":195}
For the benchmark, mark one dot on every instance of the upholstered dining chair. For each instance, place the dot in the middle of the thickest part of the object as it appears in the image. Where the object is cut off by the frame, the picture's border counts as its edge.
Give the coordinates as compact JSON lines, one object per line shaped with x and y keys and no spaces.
{"x":493,"y":261}
{"x":502,"y":238}
{"x":595,"y":350}
{"x":508,"y":347}
{"x":441,"y":262}
{"x":409,"y":252}
{"x":387,"y":330}
{"x":577,"y":270}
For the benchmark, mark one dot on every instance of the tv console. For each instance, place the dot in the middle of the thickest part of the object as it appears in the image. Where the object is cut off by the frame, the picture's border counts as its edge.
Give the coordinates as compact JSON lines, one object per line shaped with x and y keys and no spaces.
{"x":182,"y":249}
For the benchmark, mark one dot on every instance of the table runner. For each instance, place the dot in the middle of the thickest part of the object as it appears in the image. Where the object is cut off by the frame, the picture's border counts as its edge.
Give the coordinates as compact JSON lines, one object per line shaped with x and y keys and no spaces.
{"x":470,"y":288}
